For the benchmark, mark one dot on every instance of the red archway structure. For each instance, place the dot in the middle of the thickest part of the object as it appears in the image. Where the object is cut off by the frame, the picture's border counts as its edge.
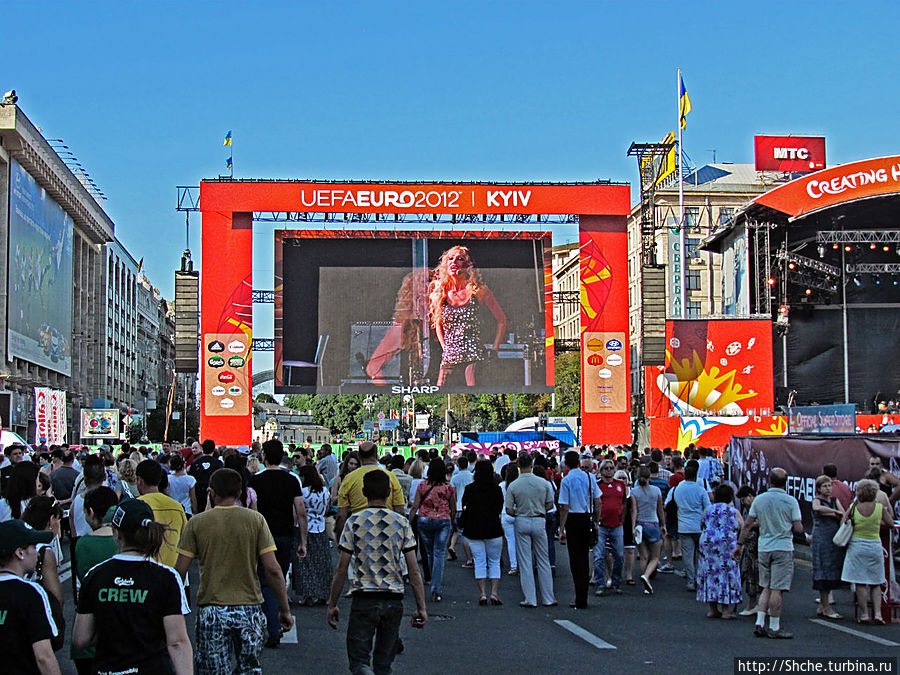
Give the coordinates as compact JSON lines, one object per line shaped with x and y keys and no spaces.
{"x":228,"y":209}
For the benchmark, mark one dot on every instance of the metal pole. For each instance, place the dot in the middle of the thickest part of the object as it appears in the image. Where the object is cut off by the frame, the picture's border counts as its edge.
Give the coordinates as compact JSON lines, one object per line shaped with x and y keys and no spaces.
{"x":844,"y":322}
{"x":682,"y":291}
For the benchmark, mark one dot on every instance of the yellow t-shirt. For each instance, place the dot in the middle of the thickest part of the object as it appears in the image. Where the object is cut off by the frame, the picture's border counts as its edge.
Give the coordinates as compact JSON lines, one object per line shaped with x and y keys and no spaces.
{"x":351,"y":494}
{"x":170,"y":513}
{"x":228,"y":541}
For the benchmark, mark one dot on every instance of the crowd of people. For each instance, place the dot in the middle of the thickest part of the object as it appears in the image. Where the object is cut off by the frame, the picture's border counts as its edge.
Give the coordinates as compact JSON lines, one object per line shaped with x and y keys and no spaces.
{"x":269,"y":527}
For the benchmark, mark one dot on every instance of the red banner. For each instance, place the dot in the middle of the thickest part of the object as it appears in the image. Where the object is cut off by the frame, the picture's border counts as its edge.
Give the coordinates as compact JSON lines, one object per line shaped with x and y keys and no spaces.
{"x":605,"y":385}
{"x":845,"y":183}
{"x":307,"y":197}
{"x":789,"y":153}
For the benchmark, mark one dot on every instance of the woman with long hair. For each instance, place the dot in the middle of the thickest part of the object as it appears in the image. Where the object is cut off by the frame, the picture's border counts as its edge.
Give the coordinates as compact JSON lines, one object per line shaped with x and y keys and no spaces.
{"x":20,"y":488}
{"x":349,"y":463}
{"x":482,"y":504}
{"x":137,"y":626}
{"x":454,"y":294}
{"x":651,"y":517}
{"x":435,"y":505}
{"x":248,"y":494}
{"x":127,"y":469}
{"x":416,"y":472}
{"x":181,"y":485}
{"x":509,"y":473}
{"x":44,"y":513}
{"x":311,"y":577}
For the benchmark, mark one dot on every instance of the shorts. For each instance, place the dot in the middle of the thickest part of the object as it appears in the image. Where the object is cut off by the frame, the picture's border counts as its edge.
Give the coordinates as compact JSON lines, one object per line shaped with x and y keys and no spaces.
{"x":229,"y":638}
{"x":651,"y":533}
{"x":776,"y":570}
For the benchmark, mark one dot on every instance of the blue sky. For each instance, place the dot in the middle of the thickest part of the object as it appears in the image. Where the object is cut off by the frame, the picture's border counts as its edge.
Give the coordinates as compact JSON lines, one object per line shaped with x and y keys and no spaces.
{"x":143,"y":93}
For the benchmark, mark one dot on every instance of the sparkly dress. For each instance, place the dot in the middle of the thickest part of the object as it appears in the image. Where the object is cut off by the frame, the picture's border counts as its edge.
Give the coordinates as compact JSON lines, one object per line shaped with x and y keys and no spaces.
{"x":462,"y":333}
{"x":718,"y":573}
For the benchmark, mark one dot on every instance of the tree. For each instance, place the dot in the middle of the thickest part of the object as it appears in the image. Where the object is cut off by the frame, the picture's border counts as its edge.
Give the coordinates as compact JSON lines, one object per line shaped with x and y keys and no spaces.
{"x":265,"y":398}
{"x":568,"y":384}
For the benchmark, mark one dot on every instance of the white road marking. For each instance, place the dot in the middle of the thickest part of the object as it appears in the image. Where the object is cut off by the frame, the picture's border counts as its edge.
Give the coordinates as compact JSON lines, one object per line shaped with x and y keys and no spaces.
{"x":856,"y":633}
{"x":590,"y":638}
{"x":290,"y":638}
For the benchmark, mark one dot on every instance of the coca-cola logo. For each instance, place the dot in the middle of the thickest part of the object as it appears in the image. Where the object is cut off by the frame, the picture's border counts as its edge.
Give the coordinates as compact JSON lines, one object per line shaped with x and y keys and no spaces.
{"x":226,"y":377}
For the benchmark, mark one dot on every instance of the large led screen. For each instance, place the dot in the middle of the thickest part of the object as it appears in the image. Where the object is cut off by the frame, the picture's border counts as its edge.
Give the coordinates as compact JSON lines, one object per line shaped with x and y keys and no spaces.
{"x":39,"y":326}
{"x":412,"y":312}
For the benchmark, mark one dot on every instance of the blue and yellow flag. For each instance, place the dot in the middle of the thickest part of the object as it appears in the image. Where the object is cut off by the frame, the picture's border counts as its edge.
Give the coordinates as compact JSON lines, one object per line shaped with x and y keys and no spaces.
{"x":227,"y":138}
{"x":228,"y":163}
{"x":140,"y":266}
{"x":684,"y":102}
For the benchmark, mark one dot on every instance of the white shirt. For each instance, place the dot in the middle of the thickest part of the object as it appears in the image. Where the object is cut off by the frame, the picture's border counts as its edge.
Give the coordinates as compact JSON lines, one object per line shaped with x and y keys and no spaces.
{"x":459,"y":481}
{"x":502,"y":461}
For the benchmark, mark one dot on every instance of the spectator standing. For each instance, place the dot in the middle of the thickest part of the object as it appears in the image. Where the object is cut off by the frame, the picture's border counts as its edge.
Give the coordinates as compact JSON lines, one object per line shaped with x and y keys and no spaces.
{"x":22,"y":486}
{"x":202,"y":468}
{"x":839,"y":489}
{"x":528,"y":499}
{"x":579,"y":504}
{"x":827,"y":558}
{"x":482,"y":503}
{"x":182,"y":486}
{"x":612,"y":500}
{"x":229,"y":542}
{"x":327,"y":463}
{"x":312,"y":572}
{"x":62,"y":480}
{"x":718,"y":571}
{"x":778,"y":515}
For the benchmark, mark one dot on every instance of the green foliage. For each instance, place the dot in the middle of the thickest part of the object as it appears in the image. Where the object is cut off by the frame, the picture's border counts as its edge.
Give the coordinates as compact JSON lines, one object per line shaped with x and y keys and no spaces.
{"x":568,"y":384}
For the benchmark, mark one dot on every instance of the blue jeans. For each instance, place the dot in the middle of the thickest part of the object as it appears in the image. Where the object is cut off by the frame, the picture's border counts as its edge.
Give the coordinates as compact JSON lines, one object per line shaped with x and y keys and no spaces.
{"x":435,"y":534}
{"x":615,"y":537}
{"x":284,"y":549}
{"x":552,"y":526}
{"x":373,"y":617}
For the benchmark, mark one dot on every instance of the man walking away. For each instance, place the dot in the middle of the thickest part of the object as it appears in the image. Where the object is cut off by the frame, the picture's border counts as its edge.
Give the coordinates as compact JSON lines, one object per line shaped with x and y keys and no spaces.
{"x":459,"y":481}
{"x":279,"y":498}
{"x":778,"y":515}
{"x":579,"y":502}
{"x":692,"y":501}
{"x":229,"y":541}
{"x":378,"y":540}
{"x":166,"y":510}
{"x":201,"y":469}
{"x":528,"y":498}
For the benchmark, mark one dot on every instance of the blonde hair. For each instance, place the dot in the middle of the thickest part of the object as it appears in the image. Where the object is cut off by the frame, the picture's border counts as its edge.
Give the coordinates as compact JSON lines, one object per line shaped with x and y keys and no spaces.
{"x":442,"y":282}
{"x":127,"y":469}
{"x":253,"y":465}
{"x":866,"y":490}
{"x":416,"y":468}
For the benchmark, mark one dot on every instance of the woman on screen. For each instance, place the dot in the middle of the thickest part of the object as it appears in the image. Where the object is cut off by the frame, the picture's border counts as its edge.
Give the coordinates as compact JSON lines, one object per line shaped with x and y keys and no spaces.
{"x":454,"y":294}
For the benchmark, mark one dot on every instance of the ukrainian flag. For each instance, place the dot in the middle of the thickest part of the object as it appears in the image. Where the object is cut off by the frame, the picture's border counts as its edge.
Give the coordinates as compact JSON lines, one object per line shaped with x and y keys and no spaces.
{"x":228,"y":136}
{"x":228,"y":163}
{"x":684,"y":102}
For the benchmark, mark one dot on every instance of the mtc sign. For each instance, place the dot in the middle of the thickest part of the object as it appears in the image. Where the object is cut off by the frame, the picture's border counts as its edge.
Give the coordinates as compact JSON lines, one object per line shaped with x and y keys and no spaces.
{"x":790,"y":153}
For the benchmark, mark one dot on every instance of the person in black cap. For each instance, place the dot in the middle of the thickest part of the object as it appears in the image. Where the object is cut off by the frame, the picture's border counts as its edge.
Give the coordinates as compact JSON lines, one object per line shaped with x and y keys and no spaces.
{"x":26,"y":622}
{"x":133,"y":607}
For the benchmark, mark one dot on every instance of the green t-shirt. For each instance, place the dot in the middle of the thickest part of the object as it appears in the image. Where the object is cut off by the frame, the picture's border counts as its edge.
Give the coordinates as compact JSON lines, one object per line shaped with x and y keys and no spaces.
{"x":90,"y":550}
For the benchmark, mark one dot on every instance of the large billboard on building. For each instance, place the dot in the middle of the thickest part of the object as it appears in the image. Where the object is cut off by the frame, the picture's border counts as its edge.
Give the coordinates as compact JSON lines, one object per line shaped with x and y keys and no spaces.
{"x":412,"y":312}
{"x":39,"y":328}
{"x":797,"y":154}
{"x":736,"y":273}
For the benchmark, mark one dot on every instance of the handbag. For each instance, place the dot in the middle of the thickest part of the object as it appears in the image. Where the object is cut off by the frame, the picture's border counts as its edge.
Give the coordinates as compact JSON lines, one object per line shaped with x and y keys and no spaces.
{"x":845,"y":532}
{"x":414,"y":520}
{"x":56,"y":610}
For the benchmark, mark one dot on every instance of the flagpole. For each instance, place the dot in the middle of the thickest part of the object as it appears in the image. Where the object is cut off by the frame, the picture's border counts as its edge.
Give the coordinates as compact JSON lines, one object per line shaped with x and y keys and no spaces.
{"x":682,"y":290}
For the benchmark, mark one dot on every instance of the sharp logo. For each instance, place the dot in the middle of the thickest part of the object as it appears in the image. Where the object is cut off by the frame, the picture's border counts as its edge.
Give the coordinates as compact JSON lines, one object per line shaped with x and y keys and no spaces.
{"x":424,"y":389}
{"x":790,"y":153}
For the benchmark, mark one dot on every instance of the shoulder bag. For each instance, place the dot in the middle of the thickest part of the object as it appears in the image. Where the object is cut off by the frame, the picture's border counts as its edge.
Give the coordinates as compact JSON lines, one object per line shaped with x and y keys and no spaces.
{"x":414,"y":520}
{"x":56,"y":609}
{"x":845,"y":532}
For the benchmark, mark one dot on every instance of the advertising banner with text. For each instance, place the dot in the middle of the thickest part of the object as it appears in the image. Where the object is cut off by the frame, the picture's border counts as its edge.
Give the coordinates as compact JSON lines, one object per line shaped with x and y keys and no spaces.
{"x":605,"y":383}
{"x":789,"y":153}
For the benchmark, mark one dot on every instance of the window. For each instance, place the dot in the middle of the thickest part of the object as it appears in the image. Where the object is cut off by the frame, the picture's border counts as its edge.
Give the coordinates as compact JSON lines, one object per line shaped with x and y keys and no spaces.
{"x":691,"y":216}
{"x":690,"y":246}
{"x":726,"y":213}
{"x":693,"y":309}
{"x":693,"y":280}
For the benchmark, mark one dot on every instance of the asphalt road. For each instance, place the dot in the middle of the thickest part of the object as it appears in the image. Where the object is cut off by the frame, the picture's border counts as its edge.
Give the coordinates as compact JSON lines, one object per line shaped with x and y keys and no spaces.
{"x":664,"y":633}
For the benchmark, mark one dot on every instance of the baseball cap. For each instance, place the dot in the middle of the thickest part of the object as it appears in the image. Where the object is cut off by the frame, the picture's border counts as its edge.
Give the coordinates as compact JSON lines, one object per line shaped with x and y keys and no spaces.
{"x":132,"y":514}
{"x":19,"y":534}
{"x":243,"y":449}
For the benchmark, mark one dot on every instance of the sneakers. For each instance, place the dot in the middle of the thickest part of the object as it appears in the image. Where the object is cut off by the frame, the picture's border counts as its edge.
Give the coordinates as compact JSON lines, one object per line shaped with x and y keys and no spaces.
{"x":665,"y":569}
{"x":780,"y":634}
